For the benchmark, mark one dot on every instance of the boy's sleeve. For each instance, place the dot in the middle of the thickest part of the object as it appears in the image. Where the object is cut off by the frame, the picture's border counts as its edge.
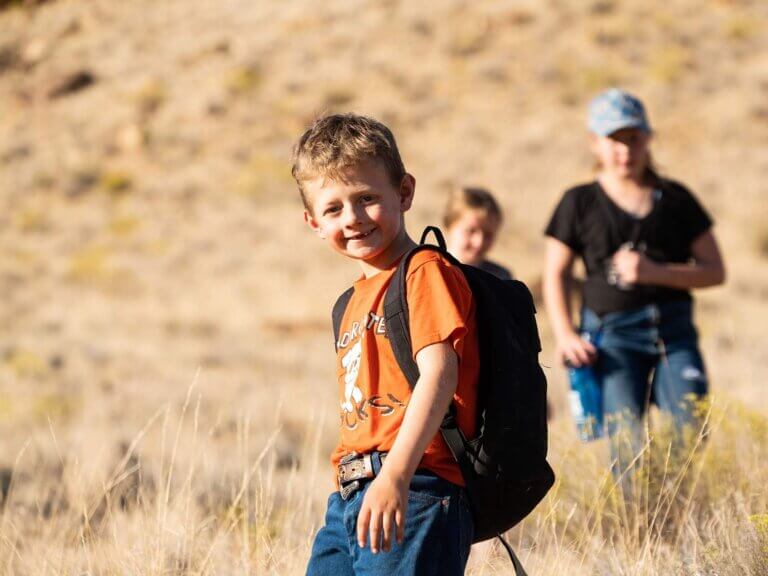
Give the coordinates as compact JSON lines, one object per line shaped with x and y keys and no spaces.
{"x":439,"y":304}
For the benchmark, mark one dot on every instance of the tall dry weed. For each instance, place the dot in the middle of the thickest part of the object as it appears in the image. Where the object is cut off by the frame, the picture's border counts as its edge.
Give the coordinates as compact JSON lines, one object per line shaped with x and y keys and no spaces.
{"x":174,"y":503}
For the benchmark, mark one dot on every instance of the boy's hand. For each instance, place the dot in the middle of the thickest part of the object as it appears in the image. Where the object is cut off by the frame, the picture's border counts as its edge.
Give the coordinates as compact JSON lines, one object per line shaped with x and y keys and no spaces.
{"x":384,"y":504}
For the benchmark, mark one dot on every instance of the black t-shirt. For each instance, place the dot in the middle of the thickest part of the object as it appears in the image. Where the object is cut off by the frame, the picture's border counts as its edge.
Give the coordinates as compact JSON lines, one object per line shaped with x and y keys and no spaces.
{"x":594,"y":227}
{"x":496,"y":269}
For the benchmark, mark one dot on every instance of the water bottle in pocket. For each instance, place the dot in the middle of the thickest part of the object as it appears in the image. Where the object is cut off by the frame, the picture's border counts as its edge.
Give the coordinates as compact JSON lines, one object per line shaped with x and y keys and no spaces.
{"x":586,"y":398}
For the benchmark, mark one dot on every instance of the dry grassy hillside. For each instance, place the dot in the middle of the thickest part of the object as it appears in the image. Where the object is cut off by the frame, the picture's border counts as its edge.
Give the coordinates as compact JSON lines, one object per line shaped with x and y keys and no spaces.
{"x":153,"y":257}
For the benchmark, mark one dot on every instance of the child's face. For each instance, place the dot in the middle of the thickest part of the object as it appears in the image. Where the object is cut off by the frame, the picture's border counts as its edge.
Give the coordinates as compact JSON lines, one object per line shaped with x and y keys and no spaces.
{"x":623,"y":153}
{"x":361,"y":214}
{"x":472,"y":235}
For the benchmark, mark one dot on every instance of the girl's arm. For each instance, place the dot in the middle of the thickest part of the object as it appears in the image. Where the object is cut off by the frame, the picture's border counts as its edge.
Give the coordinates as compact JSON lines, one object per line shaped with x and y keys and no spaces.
{"x":707,"y":268}
{"x":558,"y":270}
{"x":386,"y":500}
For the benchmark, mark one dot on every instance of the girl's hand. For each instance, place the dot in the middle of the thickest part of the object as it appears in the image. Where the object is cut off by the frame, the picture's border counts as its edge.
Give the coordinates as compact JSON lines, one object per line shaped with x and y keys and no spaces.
{"x":384,"y":506}
{"x":633,"y":267}
{"x":574,"y":350}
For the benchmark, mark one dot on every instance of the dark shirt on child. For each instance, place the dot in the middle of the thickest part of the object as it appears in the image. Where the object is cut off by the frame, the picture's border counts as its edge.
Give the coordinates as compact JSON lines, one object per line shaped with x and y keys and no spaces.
{"x":496,"y":269}
{"x":594,"y":227}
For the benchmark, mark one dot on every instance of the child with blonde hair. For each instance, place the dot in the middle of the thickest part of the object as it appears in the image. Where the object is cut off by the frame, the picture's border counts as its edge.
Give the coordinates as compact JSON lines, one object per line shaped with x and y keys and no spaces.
{"x":472,"y":220}
{"x":400,"y":506}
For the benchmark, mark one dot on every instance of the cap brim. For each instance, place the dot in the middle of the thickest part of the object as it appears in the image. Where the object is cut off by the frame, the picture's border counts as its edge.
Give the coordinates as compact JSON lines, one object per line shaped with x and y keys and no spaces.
{"x":611,"y":127}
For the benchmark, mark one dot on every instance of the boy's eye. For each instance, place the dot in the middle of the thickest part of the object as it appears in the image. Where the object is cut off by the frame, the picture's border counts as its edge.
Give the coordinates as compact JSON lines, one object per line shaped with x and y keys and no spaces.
{"x":367,"y":198}
{"x":331,"y":210}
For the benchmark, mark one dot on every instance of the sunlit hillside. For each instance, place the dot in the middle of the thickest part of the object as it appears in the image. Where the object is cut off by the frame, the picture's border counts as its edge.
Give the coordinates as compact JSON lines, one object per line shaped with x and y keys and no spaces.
{"x":167,"y":394}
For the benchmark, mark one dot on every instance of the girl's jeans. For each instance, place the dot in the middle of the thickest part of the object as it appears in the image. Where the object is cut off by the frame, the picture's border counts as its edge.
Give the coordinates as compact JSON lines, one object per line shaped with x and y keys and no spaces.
{"x":649,"y":354}
{"x":438,"y":535}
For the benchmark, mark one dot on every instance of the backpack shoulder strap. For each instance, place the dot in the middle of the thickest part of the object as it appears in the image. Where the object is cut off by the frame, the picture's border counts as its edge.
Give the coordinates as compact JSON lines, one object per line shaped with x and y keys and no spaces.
{"x":396,"y":306}
{"x":399,"y":335}
{"x":397,"y":318}
{"x":438,"y":236}
{"x":338,"y":313}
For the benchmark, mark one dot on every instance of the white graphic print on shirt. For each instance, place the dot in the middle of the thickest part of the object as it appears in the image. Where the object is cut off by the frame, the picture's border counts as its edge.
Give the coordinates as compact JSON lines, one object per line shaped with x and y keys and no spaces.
{"x":354,"y":405}
{"x":351,"y":362}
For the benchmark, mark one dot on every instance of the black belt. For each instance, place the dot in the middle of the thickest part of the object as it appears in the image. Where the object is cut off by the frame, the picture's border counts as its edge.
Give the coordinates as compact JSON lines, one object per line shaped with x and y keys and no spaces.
{"x":352,"y":469}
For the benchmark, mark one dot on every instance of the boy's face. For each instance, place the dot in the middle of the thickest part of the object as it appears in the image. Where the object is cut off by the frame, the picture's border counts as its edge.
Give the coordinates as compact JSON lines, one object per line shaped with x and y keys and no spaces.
{"x":472,"y":235}
{"x":361,"y":214}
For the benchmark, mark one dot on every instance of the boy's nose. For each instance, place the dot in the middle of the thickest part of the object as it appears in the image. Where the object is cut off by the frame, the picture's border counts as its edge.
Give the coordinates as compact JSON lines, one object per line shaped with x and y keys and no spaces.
{"x":351,"y":216}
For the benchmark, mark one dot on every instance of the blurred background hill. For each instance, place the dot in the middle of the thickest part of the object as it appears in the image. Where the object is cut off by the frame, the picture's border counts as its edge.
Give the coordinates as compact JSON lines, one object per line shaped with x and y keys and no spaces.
{"x":151,"y":236}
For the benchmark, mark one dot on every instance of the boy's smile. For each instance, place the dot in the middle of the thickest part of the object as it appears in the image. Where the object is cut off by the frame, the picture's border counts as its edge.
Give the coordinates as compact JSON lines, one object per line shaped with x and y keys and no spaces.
{"x":361,"y":214}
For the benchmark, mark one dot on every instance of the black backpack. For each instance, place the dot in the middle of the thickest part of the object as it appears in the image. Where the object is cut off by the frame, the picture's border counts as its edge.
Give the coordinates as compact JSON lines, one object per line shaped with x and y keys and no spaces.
{"x":504,"y":466}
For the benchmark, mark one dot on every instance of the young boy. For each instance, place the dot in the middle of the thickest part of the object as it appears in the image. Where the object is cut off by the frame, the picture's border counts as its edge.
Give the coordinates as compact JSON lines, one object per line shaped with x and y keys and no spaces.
{"x":401,"y":507}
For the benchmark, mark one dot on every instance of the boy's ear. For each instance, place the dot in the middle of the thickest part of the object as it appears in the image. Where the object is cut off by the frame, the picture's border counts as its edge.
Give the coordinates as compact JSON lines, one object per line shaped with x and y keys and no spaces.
{"x":314,"y":224}
{"x":407,"y":190}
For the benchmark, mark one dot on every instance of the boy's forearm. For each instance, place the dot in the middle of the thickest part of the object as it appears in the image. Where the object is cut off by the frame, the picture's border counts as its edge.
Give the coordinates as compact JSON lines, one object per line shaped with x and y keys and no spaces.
{"x":428,"y":405}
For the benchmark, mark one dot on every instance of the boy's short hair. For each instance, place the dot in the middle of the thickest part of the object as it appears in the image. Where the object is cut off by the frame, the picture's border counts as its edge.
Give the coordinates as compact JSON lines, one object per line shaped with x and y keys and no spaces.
{"x":466,"y":198}
{"x":339,"y":141}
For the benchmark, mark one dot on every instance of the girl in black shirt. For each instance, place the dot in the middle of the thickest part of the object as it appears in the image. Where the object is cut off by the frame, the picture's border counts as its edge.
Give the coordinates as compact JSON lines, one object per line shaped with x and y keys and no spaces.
{"x":645,"y":241}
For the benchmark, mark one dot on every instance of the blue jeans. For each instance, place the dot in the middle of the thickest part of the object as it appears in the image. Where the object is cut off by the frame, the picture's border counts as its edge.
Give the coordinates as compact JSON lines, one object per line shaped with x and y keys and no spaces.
{"x":438,"y":534}
{"x":646,"y":355}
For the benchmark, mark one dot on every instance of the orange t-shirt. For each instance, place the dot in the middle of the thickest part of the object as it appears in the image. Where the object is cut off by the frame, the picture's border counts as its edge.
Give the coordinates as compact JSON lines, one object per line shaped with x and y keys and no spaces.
{"x":374,"y":394}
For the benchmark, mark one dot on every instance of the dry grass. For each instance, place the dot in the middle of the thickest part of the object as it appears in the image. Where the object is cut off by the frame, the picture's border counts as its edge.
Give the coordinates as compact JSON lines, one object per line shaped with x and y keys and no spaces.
{"x":149,"y":225}
{"x":188,"y":494}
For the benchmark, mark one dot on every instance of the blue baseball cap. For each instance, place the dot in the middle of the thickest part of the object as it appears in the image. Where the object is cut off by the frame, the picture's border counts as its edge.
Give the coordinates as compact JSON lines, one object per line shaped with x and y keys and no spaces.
{"x":615,"y":109}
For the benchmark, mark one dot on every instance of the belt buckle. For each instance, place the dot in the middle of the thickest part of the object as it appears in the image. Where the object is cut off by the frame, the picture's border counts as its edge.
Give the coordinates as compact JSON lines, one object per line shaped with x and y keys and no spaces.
{"x":350,"y":480}
{"x":368,"y":466}
{"x":348,"y":489}
{"x":347,"y":458}
{"x":342,"y":471}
